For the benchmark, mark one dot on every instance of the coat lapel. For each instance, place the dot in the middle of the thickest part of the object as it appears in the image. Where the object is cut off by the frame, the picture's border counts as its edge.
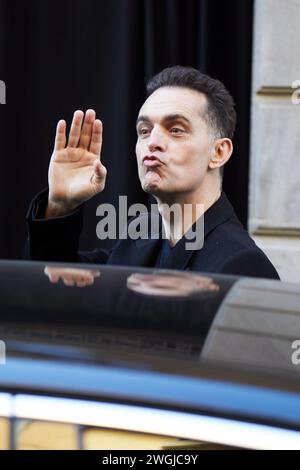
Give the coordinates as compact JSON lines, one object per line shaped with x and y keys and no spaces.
{"x":217,"y":214}
{"x":144,"y":252}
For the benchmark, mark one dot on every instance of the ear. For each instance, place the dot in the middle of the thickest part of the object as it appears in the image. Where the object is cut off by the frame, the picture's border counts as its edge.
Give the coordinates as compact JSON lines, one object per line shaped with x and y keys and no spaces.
{"x":221,"y":152}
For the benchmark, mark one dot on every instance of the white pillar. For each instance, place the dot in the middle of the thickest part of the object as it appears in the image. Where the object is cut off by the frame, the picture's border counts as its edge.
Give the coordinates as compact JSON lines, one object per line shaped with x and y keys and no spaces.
{"x":274,"y":199}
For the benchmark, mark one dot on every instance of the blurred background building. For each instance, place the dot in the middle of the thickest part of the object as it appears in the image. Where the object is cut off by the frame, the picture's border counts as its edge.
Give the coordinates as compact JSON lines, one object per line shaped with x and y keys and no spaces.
{"x":274,"y":191}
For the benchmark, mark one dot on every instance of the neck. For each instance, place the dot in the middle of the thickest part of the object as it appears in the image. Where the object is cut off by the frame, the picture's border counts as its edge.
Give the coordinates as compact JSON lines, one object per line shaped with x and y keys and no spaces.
{"x":187,"y":208}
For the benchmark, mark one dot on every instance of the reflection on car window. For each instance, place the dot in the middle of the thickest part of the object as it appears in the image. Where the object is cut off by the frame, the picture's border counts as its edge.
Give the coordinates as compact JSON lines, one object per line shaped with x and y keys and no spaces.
{"x":42,"y":435}
{"x":71,"y":276}
{"x":4,"y":434}
{"x":105,"y":439}
{"x":170,"y":284}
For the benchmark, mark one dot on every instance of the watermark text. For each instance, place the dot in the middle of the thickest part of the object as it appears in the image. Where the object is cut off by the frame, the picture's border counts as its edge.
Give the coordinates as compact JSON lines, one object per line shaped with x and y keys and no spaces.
{"x":187,"y":220}
{"x":2,"y":92}
{"x":296,"y":354}
{"x":2,"y":353}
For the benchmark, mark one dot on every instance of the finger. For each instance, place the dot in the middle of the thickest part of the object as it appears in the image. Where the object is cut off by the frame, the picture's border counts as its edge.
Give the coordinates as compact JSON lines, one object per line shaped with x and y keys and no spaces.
{"x":54,"y":278}
{"x":94,"y":273}
{"x":85,"y":278}
{"x":87,"y":128}
{"x":99,"y":170}
{"x":75,"y":129}
{"x":84,"y":281}
{"x":60,"y":136}
{"x":96,"y":140}
{"x":74,"y":272}
{"x":67,"y":281}
{"x":99,"y":175}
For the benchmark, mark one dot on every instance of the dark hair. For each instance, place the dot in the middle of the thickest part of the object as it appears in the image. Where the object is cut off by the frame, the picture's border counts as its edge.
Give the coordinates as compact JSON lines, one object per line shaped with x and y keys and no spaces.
{"x":220,"y":114}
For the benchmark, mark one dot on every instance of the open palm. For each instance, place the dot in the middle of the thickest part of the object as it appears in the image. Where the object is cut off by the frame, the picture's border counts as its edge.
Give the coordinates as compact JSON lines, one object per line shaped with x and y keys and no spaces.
{"x":75,"y":171}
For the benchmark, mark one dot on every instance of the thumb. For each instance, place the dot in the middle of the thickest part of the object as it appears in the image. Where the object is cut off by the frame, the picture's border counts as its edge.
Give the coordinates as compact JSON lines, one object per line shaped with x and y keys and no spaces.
{"x":99,"y":173}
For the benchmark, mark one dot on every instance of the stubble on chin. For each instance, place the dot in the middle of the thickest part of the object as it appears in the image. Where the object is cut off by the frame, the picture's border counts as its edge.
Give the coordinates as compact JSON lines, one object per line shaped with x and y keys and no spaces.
{"x":151,"y":182}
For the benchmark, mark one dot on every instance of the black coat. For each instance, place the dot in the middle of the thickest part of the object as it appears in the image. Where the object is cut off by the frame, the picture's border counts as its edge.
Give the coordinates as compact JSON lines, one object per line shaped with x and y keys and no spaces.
{"x":227,"y":248}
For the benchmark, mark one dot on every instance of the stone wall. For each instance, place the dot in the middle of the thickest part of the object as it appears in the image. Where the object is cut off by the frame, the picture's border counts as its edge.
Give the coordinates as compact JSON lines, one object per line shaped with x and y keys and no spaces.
{"x":274,"y":193}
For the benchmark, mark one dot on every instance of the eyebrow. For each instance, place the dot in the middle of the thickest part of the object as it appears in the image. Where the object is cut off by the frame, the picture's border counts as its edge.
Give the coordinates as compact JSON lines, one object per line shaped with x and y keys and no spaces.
{"x":168,"y":118}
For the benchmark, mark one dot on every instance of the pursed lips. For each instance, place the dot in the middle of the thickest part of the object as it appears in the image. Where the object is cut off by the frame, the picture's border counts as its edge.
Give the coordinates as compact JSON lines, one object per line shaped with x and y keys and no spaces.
{"x":151,"y":161}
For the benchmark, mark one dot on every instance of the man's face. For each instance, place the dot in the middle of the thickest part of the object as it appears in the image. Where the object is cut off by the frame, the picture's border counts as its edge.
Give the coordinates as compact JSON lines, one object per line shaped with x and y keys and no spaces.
{"x":174,"y":142}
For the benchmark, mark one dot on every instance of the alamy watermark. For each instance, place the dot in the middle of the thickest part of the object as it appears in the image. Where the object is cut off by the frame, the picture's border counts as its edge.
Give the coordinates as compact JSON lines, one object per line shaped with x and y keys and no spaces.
{"x":146,"y":225}
{"x":2,"y":353}
{"x":2,"y":92}
{"x":296,"y":354}
{"x":296,"y":94}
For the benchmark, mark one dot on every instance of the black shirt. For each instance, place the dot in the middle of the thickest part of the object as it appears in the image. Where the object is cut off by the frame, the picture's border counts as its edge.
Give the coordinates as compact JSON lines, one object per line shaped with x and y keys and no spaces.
{"x":165,"y":251}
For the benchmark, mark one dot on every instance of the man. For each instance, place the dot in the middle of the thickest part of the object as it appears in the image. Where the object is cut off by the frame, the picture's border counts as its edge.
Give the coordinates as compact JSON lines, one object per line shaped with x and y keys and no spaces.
{"x":184,"y":139}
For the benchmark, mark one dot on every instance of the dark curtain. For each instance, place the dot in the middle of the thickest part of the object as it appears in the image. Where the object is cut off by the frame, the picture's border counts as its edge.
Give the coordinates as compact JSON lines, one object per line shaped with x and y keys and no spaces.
{"x":56,"y":57}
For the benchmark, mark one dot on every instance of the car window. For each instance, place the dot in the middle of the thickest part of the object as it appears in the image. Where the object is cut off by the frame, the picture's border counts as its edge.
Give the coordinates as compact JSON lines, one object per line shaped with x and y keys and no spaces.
{"x":4,"y":433}
{"x":43,"y":435}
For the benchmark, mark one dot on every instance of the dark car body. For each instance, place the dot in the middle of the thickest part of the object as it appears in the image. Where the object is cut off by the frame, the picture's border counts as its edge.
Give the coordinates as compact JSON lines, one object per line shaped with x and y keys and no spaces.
{"x":152,"y":359}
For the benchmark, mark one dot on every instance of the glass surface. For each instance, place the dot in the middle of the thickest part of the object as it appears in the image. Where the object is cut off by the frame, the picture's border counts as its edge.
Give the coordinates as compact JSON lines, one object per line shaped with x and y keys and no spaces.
{"x":42,"y":435}
{"x":4,"y":434}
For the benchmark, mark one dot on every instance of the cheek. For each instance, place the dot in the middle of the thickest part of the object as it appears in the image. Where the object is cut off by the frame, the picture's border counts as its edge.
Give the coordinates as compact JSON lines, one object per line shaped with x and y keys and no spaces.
{"x":200,"y":156}
{"x":139,"y":151}
{"x":192,"y":162}
{"x":192,"y":156}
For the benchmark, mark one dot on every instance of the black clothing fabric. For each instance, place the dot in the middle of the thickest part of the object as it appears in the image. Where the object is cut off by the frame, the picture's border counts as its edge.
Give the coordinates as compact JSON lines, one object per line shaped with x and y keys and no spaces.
{"x":227,"y":247}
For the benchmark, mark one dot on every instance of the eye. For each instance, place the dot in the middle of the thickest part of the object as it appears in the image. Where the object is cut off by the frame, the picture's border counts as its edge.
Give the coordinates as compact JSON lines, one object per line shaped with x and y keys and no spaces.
{"x":143,"y":131}
{"x":176,"y":130}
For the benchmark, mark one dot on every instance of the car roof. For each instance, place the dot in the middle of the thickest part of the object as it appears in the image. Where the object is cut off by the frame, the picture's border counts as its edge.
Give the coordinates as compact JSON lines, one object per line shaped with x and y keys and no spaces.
{"x":144,"y":335}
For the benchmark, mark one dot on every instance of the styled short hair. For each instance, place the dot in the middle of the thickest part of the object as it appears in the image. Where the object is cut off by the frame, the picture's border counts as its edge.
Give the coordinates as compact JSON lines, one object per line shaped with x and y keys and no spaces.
{"x":219,"y":114}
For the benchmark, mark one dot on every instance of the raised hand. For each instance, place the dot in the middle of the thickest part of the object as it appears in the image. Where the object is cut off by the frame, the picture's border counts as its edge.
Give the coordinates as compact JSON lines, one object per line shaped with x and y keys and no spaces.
{"x":75,"y":172}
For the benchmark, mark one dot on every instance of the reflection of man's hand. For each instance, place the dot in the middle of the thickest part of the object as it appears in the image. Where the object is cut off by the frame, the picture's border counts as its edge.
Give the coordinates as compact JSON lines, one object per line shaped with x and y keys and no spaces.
{"x":71,"y":276}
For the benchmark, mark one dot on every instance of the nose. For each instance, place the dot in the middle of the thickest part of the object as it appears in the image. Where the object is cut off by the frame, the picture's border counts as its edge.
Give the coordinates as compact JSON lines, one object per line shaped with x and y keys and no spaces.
{"x":157,"y":140}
